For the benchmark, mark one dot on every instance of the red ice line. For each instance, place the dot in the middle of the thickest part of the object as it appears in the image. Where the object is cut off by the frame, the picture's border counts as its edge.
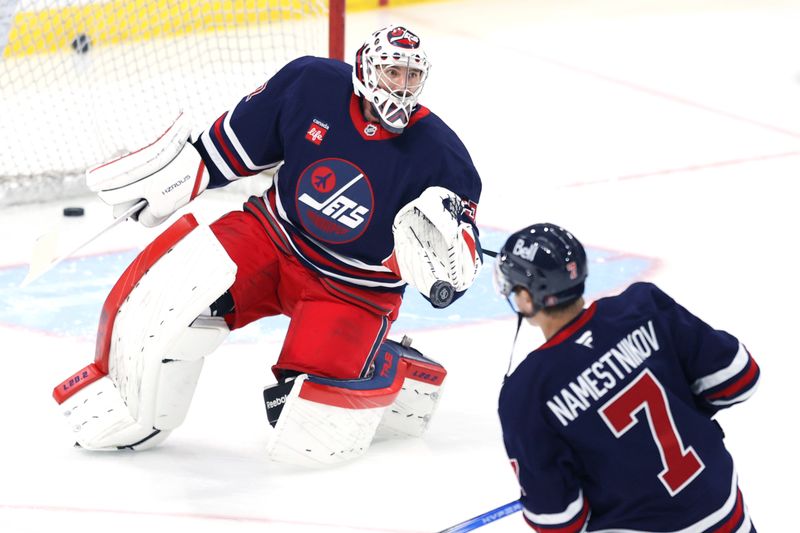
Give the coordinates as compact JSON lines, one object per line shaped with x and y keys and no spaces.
{"x":200,"y":516}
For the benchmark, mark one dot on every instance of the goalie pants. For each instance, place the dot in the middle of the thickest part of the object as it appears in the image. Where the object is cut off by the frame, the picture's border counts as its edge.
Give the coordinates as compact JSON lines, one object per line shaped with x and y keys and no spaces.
{"x":335,"y":329}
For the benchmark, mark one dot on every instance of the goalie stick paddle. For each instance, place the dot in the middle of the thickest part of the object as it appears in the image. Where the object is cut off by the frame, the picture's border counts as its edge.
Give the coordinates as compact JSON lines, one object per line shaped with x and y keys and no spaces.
{"x":44,"y":249}
{"x":485,"y":518}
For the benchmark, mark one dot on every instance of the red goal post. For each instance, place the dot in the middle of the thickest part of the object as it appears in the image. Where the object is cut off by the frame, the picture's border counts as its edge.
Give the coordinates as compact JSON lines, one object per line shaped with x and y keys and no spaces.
{"x":82,"y":81}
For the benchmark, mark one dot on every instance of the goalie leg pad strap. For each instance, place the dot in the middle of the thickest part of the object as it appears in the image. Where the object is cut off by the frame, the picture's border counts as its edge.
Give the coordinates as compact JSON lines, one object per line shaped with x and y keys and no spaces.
{"x":413,"y":408}
{"x":156,"y":349}
{"x":322,"y":421}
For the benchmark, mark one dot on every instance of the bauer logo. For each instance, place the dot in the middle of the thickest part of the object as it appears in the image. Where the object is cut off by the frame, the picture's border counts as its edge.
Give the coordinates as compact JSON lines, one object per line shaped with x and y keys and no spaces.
{"x":334,"y":200}
{"x":316,"y":132}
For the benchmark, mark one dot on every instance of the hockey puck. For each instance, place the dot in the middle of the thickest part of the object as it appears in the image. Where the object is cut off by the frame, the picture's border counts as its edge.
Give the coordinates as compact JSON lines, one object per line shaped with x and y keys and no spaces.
{"x":81,"y":43}
{"x":73,"y":211}
{"x":441,"y":294}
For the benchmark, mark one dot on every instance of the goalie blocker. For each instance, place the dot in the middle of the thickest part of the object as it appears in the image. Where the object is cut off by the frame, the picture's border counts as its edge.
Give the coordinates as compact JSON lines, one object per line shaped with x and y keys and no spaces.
{"x":320,"y":421}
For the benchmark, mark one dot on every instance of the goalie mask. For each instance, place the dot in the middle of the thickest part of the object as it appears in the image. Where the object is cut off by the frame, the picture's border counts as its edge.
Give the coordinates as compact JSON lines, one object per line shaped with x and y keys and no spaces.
{"x":390,"y":71}
{"x":546,"y":260}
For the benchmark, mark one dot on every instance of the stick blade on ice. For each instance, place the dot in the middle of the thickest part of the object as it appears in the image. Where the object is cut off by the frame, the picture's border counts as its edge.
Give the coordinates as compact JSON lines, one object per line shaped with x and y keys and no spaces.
{"x":42,"y":256}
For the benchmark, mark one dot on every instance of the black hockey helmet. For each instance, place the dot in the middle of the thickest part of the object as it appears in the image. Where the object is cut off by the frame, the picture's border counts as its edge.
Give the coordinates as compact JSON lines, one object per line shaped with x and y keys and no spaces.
{"x":546,"y":260}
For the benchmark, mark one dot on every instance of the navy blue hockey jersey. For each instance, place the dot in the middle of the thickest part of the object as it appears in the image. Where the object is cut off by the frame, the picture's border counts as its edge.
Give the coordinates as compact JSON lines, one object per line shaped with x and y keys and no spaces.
{"x":608,"y":424}
{"x":343,"y":179}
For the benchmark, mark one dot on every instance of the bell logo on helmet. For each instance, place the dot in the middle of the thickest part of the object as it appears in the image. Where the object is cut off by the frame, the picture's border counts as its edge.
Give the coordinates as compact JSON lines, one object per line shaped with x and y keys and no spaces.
{"x":525,"y":252}
{"x":403,"y":38}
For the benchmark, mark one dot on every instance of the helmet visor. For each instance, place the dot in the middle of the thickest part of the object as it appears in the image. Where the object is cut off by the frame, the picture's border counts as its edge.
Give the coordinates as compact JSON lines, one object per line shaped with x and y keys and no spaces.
{"x":502,"y":285}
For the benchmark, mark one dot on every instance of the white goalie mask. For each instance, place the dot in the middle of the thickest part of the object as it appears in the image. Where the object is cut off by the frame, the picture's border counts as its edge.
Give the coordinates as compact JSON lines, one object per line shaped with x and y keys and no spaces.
{"x":390,"y":71}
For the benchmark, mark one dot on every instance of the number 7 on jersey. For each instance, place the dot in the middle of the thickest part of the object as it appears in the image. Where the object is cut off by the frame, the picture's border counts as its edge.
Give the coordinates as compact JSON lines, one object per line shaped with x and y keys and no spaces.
{"x":680,"y":464}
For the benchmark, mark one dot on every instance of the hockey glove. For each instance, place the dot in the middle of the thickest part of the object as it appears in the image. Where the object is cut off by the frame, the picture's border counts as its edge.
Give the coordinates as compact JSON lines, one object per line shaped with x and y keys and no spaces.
{"x":434,"y":242}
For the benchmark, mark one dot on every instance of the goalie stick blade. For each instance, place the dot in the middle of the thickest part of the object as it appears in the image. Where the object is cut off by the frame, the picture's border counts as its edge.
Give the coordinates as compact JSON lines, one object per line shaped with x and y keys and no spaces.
{"x":44,"y":249}
{"x":42,"y":255}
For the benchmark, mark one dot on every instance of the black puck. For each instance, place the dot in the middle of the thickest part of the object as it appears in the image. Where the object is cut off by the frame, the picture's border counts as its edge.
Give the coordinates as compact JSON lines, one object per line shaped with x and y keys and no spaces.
{"x":81,"y":43}
{"x":73,"y":211}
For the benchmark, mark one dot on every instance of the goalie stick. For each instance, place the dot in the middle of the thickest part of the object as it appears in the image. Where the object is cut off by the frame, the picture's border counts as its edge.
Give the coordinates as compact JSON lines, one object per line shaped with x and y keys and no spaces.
{"x":485,"y":518}
{"x":44,"y":249}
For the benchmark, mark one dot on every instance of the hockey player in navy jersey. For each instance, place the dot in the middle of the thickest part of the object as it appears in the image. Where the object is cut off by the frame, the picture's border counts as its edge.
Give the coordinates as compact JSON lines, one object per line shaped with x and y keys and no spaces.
{"x":608,"y":424}
{"x":374,"y":192}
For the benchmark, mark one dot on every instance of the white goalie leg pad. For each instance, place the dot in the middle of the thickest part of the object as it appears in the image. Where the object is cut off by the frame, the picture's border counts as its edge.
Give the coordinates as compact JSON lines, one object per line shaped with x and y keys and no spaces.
{"x":157,"y":349}
{"x":323,"y":421}
{"x":411,"y":412}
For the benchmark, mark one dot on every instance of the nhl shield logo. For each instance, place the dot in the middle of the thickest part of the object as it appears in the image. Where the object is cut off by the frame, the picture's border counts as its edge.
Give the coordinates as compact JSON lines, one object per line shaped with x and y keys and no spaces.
{"x":371,"y":129}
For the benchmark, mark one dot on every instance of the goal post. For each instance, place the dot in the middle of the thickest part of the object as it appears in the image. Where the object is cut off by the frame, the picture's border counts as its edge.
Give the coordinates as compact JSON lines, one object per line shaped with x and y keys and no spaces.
{"x":83,"y":81}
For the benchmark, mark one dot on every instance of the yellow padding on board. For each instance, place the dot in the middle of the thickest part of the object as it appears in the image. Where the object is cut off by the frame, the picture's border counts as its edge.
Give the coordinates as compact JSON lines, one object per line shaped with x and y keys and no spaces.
{"x":117,"y":21}
{"x":135,"y":20}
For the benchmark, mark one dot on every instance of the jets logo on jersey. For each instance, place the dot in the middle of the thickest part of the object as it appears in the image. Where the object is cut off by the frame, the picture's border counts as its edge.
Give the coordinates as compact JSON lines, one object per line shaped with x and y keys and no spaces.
{"x":403,"y":38}
{"x":316,"y":131}
{"x":334,"y":200}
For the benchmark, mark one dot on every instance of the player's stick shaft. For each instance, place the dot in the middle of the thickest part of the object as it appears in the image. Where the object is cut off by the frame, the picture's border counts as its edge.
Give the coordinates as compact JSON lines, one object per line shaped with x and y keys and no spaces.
{"x":485,"y":518}
{"x":43,"y":250}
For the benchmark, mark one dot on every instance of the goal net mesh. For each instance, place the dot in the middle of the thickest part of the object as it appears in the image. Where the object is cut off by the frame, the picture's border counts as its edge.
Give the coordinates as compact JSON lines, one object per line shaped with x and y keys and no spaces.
{"x":84,"y":81}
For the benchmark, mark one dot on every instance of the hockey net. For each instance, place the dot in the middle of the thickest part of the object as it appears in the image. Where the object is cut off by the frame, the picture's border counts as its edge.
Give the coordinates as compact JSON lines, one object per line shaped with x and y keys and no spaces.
{"x":83,"y":81}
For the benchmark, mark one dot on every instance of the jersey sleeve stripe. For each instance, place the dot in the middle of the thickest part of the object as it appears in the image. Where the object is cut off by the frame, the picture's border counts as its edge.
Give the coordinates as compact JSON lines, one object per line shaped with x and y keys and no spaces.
{"x":231,"y":157}
{"x":743,"y":383}
{"x":216,"y":158}
{"x":575,"y":525}
{"x":738,"y":364}
{"x":551,"y":519}
{"x":735,"y":518}
{"x":237,"y":145}
{"x":737,"y":399}
{"x":733,"y":393}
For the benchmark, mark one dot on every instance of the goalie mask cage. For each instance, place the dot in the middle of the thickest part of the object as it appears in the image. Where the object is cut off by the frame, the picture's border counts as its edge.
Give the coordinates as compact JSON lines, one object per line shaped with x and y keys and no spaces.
{"x":84,"y":81}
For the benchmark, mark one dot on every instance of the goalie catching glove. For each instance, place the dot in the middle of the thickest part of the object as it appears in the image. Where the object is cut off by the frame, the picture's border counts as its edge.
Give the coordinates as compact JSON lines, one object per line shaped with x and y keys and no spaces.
{"x":434,"y":241}
{"x":168,"y":173}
